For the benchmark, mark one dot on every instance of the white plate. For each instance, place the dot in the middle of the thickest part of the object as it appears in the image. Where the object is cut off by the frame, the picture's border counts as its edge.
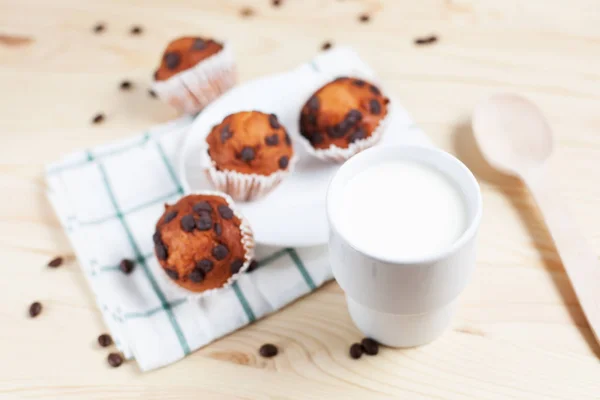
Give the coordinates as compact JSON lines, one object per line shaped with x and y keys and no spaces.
{"x":293,"y":215}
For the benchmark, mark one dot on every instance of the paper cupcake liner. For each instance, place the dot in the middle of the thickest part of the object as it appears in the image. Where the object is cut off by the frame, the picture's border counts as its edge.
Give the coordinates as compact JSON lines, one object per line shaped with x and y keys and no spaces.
{"x":193,"y":89}
{"x":338,"y":154}
{"x":244,"y":187}
{"x":247,"y":242}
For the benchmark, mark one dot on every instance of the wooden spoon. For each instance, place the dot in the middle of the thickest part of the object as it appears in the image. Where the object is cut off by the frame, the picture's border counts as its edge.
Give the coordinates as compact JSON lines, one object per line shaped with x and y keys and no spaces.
{"x":515,"y":138}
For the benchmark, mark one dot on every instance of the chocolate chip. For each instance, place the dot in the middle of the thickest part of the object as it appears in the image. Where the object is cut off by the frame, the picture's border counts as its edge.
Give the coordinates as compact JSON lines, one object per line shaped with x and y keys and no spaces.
{"x":55,"y":262}
{"x":283,"y":162}
{"x":272,"y":140}
{"x":344,"y":126}
{"x":358,"y":82}
{"x":218,"y":229}
{"x":136,"y":30}
{"x":247,"y":154}
{"x":312,"y":119}
{"x":288,"y":140}
{"x":246,"y":12}
{"x":199,"y":44}
{"x":98,"y":118}
{"x":225,"y":211}
{"x":364,"y":18}
{"x":236,"y":265}
{"x":316,"y":138}
{"x":125,"y":85}
{"x":426,"y":40}
{"x":274,"y":122}
{"x":356,"y":351}
{"x":253,"y":265}
{"x":172,"y":273}
{"x":172,"y":60}
{"x":326,"y":46}
{"x":197,"y":275}
{"x":374,"y":106}
{"x":156,"y":238}
{"x":386,"y":101}
{"x":35,"y":309}
{"x":375,"y":90}
{"x":126,"y":266}
{"x":204,"y":223}
{"x":155,"y":75}
{"x":205,"y":265}
{"x":370,"y":346}
{"x":359,"y":134}
{"x":354,"y":116}
{"x":115,"y":360}
{"x":313,"y":103}
{"x":226,"y":134}
{"x":152,"y":93}
{"x":220,"y":252}
{"x":202,"y":206}
{"x":104,"y":340}
{"x":169,"y":216}
{"x":99,"y":27}
{"x":268,"y":350}
{"x":334,"y":132}
{"x":161,"y":251}
{"x":187,"y":223}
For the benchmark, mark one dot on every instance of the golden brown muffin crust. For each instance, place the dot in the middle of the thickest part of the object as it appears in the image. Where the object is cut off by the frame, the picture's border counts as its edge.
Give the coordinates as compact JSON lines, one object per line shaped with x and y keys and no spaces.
{"x":250,"y":142}
{"x":198,"y":242}
{"x":341,"y":112}
{"x":183,"y":53}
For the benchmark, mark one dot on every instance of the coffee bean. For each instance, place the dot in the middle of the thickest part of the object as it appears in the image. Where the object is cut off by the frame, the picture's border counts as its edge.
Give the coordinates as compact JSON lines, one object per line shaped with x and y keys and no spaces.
{"x":226,"y":134}
{"x":125,"y":85}
{"x":274,"y":122}
{"x":205,"y":265}
{"x":187,"y":223}
{"x":126,"y":266}
{"x":225,"y":211}
{"x":374,"y":107}
{"x":288,"y":140}
{"x":220,"y":252}
{"x":197,"y":275}
{"x":272,"y":140}
{"x":199,"y":44}
{"x":172,"y":60}
{"x":247,"y":154}
{"x":136,"y":30}
{"x":283,"y":162}
{"x":55,"y":262}
{"x":246,"y":12}
{"x":426,"y":40}
{"x":152,"y":93}
{"x":98,"y":118}
{"x":218,"y":229}
{"x":326,"y":46}
{"x":356,"y":351}
{"x":169,"y":216}
{"x":313,"y":103}
{"x":364,"y":18}
{"x":253,"y":265}
{"x":375,"y":90}
{"x":354,"y":116}
{"x":105,"y":340}
{"x":316,"y":138}
{"x":202,"y":206}
{"x":35,"y":309}
{"x":236,"y":265}
{"x":161,"y":251}
{"x":204,"y":223}
{"x":276,"y":3}
{"x":115,"y":360}
{"x":268,"y":350}
{"x":358,"y":82}
{"x":172,"y":273}
{"x":99,"y":27}
{"x":370,"y":346}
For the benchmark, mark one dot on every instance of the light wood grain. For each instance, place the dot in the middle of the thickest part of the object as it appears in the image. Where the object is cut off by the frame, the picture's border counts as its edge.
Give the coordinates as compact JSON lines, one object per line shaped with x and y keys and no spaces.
{"x":520,"y":332}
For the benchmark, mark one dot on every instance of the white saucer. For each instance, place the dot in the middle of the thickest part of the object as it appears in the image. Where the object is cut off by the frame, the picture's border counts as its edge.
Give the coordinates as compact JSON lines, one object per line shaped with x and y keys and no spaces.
{"x":293,"y":215}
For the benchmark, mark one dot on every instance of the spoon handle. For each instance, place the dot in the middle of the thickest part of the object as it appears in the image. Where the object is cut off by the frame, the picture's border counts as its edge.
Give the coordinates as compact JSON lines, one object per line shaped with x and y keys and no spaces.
{"x":578,"y":258}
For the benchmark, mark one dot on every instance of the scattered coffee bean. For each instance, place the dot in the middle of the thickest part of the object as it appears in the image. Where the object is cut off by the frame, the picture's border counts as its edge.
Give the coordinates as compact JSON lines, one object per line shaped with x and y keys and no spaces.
{"x":370,"y":346}
{"x":98,"y":118}
{"x":225,"y":212}
{"x":225,"y":133}
{"x":313,"y":103}
{"x":152,"y":93}
{"x":161,"y":251}
{"x":276,"y":3}
{"x":172,"y":273}
{"x":99,"y":27}
{"x":187,"y":223}
{"x":205,"y":265}
{"x":204,"y":223}
{"x":126,"y":266}
{"x":326,"y":46}
{"x":199,"y":44}
{"x":220,"y":252}
{"x":170,"y":216}
{"x":274,"y":122}
{"x":247,"y":154}
{"x":55,"y":262}
{"x":364,"y":18}
{"x":105,"y":340}
{"x":218,"y":229}
{"x":268,"y":350}
{"x":426,"y":40}
{"x":375,"y":90}
{"x":202,"y":206}
{"x":236,"y":265}
{"x":125,"y":85}
{"x":172,"y":60}
{"x":283,"y":162}
{"x":374,"y":107}
{"x":358,"y":82}
{"x":272,"y":140}
{"x":288,"y":140}
{"x":197,"y":275}
{"x":356,"y":351}
{"x":247,"y":12}
{"x":115,"y":360}
{"x":253,"y":265}
{"x":136,"y":30}
{"x":35,"y":309}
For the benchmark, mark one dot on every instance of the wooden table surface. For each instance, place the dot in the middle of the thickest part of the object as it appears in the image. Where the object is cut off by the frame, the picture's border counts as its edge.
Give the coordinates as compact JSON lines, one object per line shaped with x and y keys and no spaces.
{"x":519,"y":333}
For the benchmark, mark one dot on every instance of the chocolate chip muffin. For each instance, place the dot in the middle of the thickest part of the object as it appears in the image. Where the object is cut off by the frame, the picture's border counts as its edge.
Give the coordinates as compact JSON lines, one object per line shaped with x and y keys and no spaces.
{"x":202,"y":243}
{"x":248,"y":154}
{"x":193,"y":71}
{"x":343,"y":118}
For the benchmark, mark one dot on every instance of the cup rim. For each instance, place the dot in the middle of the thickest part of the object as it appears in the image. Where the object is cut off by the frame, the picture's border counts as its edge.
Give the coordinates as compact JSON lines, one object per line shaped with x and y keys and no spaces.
{"x":416,"y":153}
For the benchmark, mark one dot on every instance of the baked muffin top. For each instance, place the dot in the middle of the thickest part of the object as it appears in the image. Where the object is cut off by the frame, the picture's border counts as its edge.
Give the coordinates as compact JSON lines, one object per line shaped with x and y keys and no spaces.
{"x":184,"y":53}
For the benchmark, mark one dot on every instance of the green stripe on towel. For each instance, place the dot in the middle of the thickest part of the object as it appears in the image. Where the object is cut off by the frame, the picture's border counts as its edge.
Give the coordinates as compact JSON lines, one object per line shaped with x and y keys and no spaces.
{"x":300,"y":265}
{"x":244,"y":302}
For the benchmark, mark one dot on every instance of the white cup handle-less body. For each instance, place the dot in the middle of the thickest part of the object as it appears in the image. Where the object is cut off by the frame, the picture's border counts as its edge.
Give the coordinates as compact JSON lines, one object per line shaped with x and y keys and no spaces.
{"x":403,"y":302}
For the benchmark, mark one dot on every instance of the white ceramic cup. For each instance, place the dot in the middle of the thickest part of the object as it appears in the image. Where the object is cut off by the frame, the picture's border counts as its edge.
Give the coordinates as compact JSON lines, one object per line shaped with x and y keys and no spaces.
{"x":403,"y":302}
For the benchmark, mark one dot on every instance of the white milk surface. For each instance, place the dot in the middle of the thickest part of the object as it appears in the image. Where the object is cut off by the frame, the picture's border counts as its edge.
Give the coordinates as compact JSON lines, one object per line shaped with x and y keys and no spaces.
{"x":402,"y":210}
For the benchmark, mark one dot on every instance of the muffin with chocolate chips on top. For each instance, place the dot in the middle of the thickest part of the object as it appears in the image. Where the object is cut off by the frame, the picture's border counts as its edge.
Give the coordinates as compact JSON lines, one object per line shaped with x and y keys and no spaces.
{"x":343,"y":118}
{"x":202,"y":243}
{"x":248,"y":154}
{"x":193,"y":71}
